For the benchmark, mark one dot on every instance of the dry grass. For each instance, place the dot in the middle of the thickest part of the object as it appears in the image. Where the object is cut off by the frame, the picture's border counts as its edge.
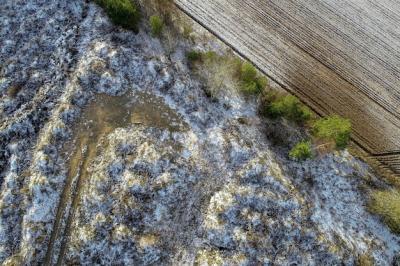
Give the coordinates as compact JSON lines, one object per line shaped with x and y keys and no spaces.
{"x":387,"y":205}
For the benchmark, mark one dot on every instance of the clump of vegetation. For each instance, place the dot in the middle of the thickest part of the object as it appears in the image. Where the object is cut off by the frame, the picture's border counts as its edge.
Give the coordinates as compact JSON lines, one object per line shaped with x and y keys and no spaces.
{"x":387,"y":205}
{"x":187,"y":32}
{"x":250,"y":82}
{"x":157,"y":25}
{"x":194,"y":56}
{"x":209,"y":257}
{"x":207,"y":58}
{"x":302,"y":151}
{"x":333,"y":128}
{"x":210,"y":56}
{"x":365,"y":260}
{"x":121,"y":12}
{"x":13,"y":91}
{"x":287,"y":106}
{"x":329,"y":133}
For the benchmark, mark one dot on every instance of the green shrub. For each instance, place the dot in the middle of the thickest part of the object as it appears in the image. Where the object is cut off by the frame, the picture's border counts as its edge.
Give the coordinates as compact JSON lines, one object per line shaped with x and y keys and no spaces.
{"x":193,"y":56}
{"x":333,"y":128}
{"x":262,"y":82}
{"x":156,"y":25}
{"x":248,"y":72}
{"x":208,"y":57}
{"x":121,"y":12}
{"x":287,"y":106}
{"x":250,"y":87}
{"x":301,"y":151}
{"x":250,"y":81}
{"x":236,"y":66}
{"x":387,"y":205}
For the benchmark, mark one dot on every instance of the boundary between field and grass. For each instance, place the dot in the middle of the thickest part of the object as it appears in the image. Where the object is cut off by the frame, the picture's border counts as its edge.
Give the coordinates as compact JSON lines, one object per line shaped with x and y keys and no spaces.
{"x":392,"y":165}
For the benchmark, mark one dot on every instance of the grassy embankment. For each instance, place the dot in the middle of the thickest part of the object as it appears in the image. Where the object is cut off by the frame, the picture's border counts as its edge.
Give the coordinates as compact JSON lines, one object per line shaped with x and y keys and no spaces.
{"x":330,"y":133}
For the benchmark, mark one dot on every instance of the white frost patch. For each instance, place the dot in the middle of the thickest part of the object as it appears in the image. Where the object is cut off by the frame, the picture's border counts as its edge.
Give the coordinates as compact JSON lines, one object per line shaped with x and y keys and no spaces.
{"x":340,"y":210}
{"x":214,"y":192}
{"x":218,"y":203}
{"x":42,"y":209}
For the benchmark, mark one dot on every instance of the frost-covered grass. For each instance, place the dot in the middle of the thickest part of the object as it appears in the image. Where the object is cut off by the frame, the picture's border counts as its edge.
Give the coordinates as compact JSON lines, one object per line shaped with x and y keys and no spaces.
{"x":215,"y":193}
{"x":121,"y":12}
{"x":209,"y":257}
{"x":387,"y":205}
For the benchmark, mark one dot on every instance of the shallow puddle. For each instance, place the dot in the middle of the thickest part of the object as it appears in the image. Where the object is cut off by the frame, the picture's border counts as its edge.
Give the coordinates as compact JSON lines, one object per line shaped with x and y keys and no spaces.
{"x":106,"y":113}
{"x":100,"y":118}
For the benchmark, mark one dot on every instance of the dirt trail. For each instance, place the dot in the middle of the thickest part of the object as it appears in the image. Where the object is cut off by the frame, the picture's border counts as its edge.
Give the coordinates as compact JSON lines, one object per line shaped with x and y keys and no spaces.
{"x":76,"y":164}
{"x":87,"y":155}
{"x":99,"y":119}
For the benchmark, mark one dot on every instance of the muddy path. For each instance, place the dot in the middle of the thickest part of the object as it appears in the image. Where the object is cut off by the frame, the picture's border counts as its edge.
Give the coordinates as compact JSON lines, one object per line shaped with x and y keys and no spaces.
{"x":100,"y":118}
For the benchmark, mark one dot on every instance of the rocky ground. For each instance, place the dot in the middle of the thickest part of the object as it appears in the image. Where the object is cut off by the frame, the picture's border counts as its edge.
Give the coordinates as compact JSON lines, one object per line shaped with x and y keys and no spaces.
{"x":156,"y":172}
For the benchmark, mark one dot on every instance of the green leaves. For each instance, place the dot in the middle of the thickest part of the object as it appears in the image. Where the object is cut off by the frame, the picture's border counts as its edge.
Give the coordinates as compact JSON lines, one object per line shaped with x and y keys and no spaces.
{"x":248,"y":72}
{"x":250,"y":82}
{"x":333,"y":128}
{"x":301,"y":151}
{"x":121,"y":12}
{"x":194,"y":56}
{"x":156,"y":25}
{"x":287,"y":106}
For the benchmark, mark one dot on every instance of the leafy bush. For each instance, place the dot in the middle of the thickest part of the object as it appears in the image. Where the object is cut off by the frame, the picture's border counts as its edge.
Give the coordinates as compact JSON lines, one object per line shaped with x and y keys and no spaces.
{"x":288,"y":106}
{"x":250,"y":87}
{"x":387,"y":204}
{"x":156,"y":25}
{"x":249,"y":72}
{"x":207,"y":58}
{"x":262,"y":82}
{"x":121,"y":12}
{"x":301,"y":151}
{"x":250,"y":82}
{"x":194,"y":56}
{"x":333,"y":128}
